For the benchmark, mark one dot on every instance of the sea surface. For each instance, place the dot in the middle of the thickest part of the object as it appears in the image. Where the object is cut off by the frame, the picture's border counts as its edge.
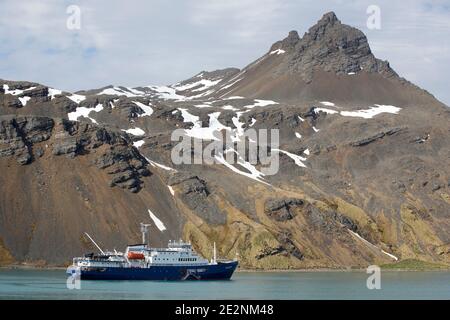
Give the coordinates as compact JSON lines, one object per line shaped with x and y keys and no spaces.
{"x":51,"y":284}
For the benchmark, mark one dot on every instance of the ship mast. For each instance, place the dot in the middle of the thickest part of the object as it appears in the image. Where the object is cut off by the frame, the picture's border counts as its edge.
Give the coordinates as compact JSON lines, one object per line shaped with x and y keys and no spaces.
{"x":144,"y":231}
{"x":215,"y":257}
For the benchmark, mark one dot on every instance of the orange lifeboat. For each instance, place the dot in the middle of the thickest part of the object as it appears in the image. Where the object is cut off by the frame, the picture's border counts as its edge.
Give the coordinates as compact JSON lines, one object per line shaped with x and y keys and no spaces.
{"x":135,"y":255}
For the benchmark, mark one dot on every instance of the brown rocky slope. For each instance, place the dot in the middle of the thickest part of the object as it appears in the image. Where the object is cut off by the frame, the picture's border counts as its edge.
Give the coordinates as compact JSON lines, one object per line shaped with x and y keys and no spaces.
{"x":364,"y":162}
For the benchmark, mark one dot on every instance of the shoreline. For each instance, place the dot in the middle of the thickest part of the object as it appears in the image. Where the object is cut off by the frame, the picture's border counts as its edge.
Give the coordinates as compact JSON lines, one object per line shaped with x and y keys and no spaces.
{"x":54,"y":268}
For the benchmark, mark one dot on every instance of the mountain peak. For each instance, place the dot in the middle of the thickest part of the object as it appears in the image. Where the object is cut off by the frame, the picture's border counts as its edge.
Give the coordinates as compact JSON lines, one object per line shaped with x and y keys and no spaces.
{"x":287,"y":44}
{"x":329,"y":18}
{"x":331,"y":46}
{"x":329,"y":23}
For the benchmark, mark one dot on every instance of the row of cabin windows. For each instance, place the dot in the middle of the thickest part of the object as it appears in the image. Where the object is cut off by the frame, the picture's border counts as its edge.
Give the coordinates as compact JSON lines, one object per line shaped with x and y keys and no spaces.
{"x":179,"y":259}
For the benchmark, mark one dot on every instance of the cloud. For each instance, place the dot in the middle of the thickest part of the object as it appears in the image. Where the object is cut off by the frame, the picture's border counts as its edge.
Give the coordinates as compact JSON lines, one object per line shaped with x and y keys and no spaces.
{"x":243,"y":19}
{"x":144,"y":42}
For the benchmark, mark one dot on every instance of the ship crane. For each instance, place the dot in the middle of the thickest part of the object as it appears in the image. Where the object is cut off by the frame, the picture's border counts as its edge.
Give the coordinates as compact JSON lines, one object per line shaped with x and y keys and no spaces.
{"x":98,"y":247}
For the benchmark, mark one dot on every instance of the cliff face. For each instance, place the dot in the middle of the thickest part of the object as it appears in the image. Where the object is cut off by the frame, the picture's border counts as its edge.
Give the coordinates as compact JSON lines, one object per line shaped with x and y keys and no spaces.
{"x":364,"y":174}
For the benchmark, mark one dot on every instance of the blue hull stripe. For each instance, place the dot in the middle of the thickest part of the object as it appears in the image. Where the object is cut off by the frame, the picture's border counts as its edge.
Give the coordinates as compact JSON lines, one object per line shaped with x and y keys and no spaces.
{"x":220,"y":271}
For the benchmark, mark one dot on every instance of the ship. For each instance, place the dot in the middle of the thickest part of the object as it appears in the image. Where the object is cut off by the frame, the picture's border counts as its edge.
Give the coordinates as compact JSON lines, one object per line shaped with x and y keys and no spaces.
{"x":178,"y":261}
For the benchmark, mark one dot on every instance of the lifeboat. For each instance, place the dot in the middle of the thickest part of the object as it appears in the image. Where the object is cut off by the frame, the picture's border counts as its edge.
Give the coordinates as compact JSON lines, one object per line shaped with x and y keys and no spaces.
{"x":135,"y":255}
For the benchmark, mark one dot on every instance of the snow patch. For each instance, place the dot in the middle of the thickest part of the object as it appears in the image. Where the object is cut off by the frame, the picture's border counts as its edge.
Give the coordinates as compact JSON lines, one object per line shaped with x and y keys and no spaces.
{"x":148,"y":111}
{"x":277,"y":52}
{"x":204,"y":105}
{"x":167,"y":93}
{"x":372,"y":245}
{"x":84,"y":112}
{"x":239,"y":131}
{"x":159,"y":224}
{"x":297,"y":159}
{"x":77,"y":98}
{"x":372,"y":112}
{"x":158,"y":165}
{"x":390,"y":255}
{"x":230,"y":84}
{"x":253,"y":172}
{"x":117,"y":91}
{"x":200,"y":95}
{"x":188,"y":117}
{"x":206,"y":133}
{"x":229,"y":107}
{"x":15,"y":92}
{"x":329,"y":111}
{"x":203,"y":84}
{"x":24,"y":100}
{"x":135,"y":131}
{"x":260,"y":103}
{"x":53,"y":92}
{"x":234,"y":98}
{"x":138,"y":144}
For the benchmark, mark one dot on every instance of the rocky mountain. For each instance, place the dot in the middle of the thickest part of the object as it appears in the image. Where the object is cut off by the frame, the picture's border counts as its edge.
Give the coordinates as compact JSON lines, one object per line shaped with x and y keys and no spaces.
{"x":364,"y":174}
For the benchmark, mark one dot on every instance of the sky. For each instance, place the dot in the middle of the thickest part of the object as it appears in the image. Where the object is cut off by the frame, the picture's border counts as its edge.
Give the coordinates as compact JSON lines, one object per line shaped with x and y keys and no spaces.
{"x":144,"y":42}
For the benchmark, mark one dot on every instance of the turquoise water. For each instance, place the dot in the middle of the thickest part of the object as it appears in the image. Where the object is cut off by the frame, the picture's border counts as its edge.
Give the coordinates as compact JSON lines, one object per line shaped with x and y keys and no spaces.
{"x":51,"y":284}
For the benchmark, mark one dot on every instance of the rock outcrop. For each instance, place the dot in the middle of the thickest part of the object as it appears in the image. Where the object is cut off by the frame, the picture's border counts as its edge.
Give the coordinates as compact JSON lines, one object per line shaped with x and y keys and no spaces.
{"x":333,"y":46}
{"x":196,"y":195}
{"x":19,"y":138}
{"x":282,"y":209}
